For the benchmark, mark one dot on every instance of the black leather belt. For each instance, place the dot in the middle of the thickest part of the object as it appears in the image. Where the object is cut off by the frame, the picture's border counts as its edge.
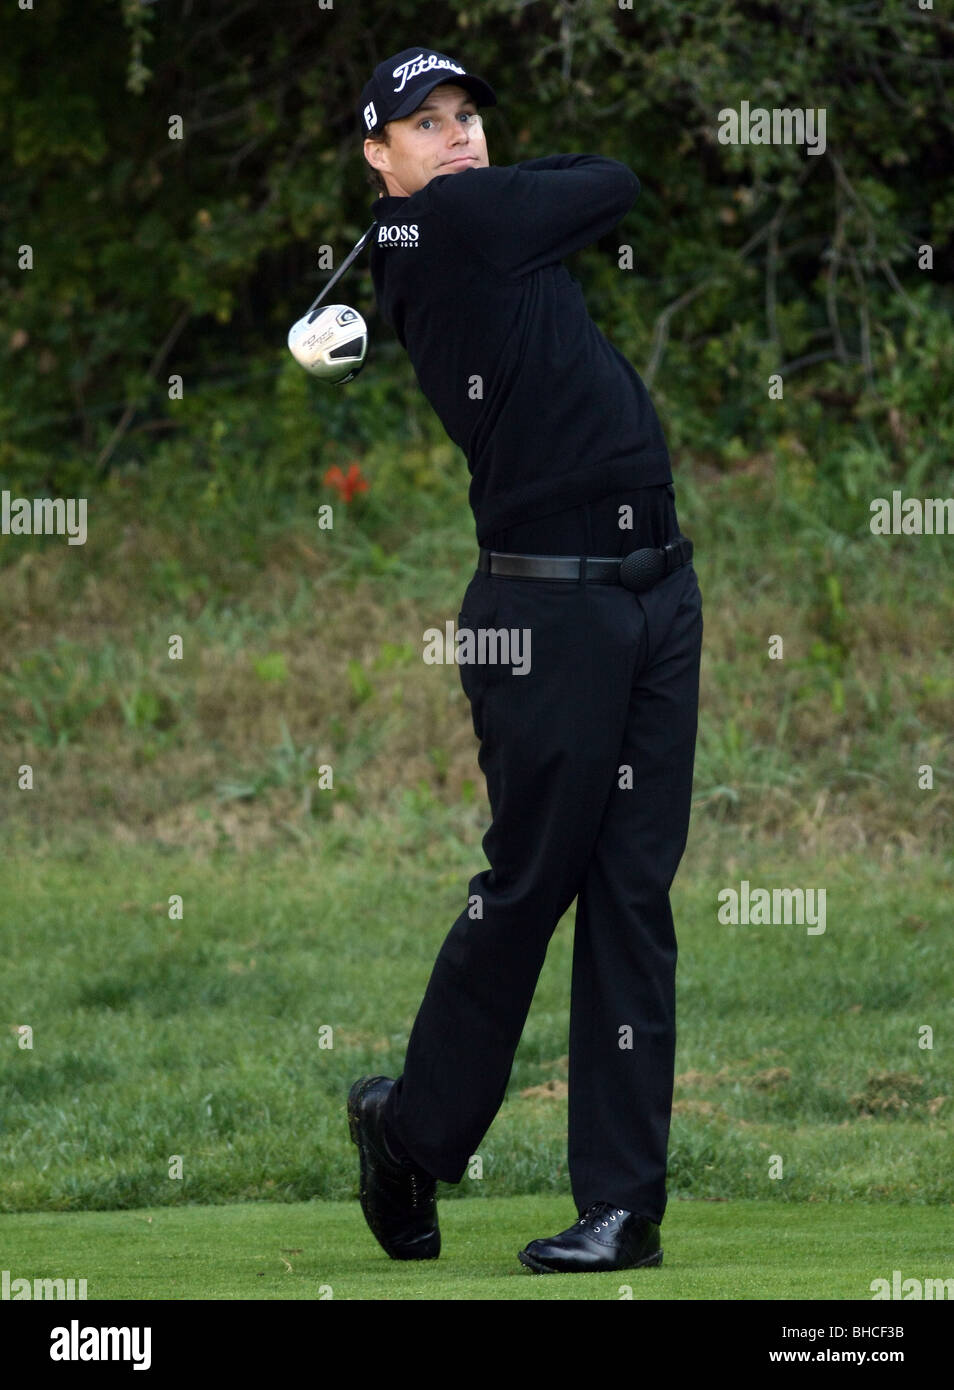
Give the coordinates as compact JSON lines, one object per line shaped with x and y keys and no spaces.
{"x":638,"y":570}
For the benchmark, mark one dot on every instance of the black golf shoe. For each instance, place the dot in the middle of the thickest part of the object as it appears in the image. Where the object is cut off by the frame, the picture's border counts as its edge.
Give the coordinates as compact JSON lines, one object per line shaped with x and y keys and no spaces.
{"x":398,"y":1199}
{"x":604,"y":1238}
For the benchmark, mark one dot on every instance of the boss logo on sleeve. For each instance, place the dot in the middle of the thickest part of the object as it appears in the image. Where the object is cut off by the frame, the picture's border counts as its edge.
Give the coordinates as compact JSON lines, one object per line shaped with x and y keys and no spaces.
{"x":403,"y":234}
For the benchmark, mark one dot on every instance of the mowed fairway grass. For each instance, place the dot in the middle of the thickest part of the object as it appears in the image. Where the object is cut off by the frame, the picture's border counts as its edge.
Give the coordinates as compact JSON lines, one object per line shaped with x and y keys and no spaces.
{"x":322,"y":1250}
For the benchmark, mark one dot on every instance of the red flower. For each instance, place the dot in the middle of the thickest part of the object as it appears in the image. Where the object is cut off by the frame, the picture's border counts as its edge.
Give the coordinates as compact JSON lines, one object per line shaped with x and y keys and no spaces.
{"x":346,"y":485}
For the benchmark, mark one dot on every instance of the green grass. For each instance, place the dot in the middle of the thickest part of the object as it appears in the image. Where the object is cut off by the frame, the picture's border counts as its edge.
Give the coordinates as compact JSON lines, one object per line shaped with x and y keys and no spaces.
{"x":155,"y":1037}
{"x":733,"y":1250}
{"x":302,"y":646}
{"x":306,"y":909}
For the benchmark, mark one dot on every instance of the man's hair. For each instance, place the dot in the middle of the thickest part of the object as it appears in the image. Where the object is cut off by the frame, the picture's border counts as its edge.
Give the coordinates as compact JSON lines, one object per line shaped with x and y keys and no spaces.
{"x":375,"y":178}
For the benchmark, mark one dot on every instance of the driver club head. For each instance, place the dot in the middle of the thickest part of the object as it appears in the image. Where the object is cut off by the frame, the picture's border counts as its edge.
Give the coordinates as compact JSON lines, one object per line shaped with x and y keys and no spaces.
{"x":330,"y":343}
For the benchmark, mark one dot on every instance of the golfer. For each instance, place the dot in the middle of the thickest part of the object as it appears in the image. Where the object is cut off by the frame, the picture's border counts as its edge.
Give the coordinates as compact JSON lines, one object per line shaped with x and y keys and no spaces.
{"x":588,"y":754}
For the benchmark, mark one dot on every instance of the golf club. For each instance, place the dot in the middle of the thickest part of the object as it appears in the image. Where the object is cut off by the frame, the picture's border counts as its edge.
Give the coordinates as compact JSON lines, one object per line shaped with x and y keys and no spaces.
{"x":331,"y":343}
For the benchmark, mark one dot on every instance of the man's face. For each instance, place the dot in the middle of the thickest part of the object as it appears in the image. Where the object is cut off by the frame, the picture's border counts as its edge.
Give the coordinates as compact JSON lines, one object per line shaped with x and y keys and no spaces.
{"x":443,"y":136}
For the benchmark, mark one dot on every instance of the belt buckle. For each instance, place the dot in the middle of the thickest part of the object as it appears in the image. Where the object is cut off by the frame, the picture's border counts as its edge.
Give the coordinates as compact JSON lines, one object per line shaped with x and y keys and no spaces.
{"x":641,"y":569}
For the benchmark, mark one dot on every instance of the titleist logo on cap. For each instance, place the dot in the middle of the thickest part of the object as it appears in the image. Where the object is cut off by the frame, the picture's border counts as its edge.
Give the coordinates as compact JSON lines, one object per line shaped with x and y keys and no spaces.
{"x":405,"y":71}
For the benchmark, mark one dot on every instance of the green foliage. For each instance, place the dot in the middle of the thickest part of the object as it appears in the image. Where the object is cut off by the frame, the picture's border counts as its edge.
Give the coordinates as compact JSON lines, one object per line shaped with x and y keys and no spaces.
{"x":54,"y":693}
{"x":272,"y":668}
{"x":289,"y":765}
{"x":361,"y":686}
{"x":156,"y":257}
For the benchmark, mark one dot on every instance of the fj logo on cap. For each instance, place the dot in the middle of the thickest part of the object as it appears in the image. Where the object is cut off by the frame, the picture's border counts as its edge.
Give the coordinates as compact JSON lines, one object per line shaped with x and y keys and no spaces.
{"x":370,"y":115}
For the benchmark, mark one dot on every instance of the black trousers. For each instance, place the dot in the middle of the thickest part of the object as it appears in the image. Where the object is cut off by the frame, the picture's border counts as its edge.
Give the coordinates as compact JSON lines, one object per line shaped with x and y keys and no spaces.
{"x":613,"y":685}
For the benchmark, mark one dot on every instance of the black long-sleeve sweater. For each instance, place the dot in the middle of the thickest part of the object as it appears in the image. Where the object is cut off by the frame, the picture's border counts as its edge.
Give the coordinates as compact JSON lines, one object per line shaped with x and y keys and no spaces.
{"x":467,"y":271}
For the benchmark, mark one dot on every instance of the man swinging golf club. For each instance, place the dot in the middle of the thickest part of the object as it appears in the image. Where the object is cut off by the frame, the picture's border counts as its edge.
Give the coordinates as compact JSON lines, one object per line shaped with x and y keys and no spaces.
{"x":589,"y":755}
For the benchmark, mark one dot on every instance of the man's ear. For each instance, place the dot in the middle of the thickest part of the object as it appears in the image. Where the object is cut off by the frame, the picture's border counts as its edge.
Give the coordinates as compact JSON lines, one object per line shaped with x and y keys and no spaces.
{"x":374,"y":146}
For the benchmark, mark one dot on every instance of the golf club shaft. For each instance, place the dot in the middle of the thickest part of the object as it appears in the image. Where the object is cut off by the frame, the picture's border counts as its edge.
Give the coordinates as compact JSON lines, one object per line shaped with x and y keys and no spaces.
{"x":358,"y":247}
